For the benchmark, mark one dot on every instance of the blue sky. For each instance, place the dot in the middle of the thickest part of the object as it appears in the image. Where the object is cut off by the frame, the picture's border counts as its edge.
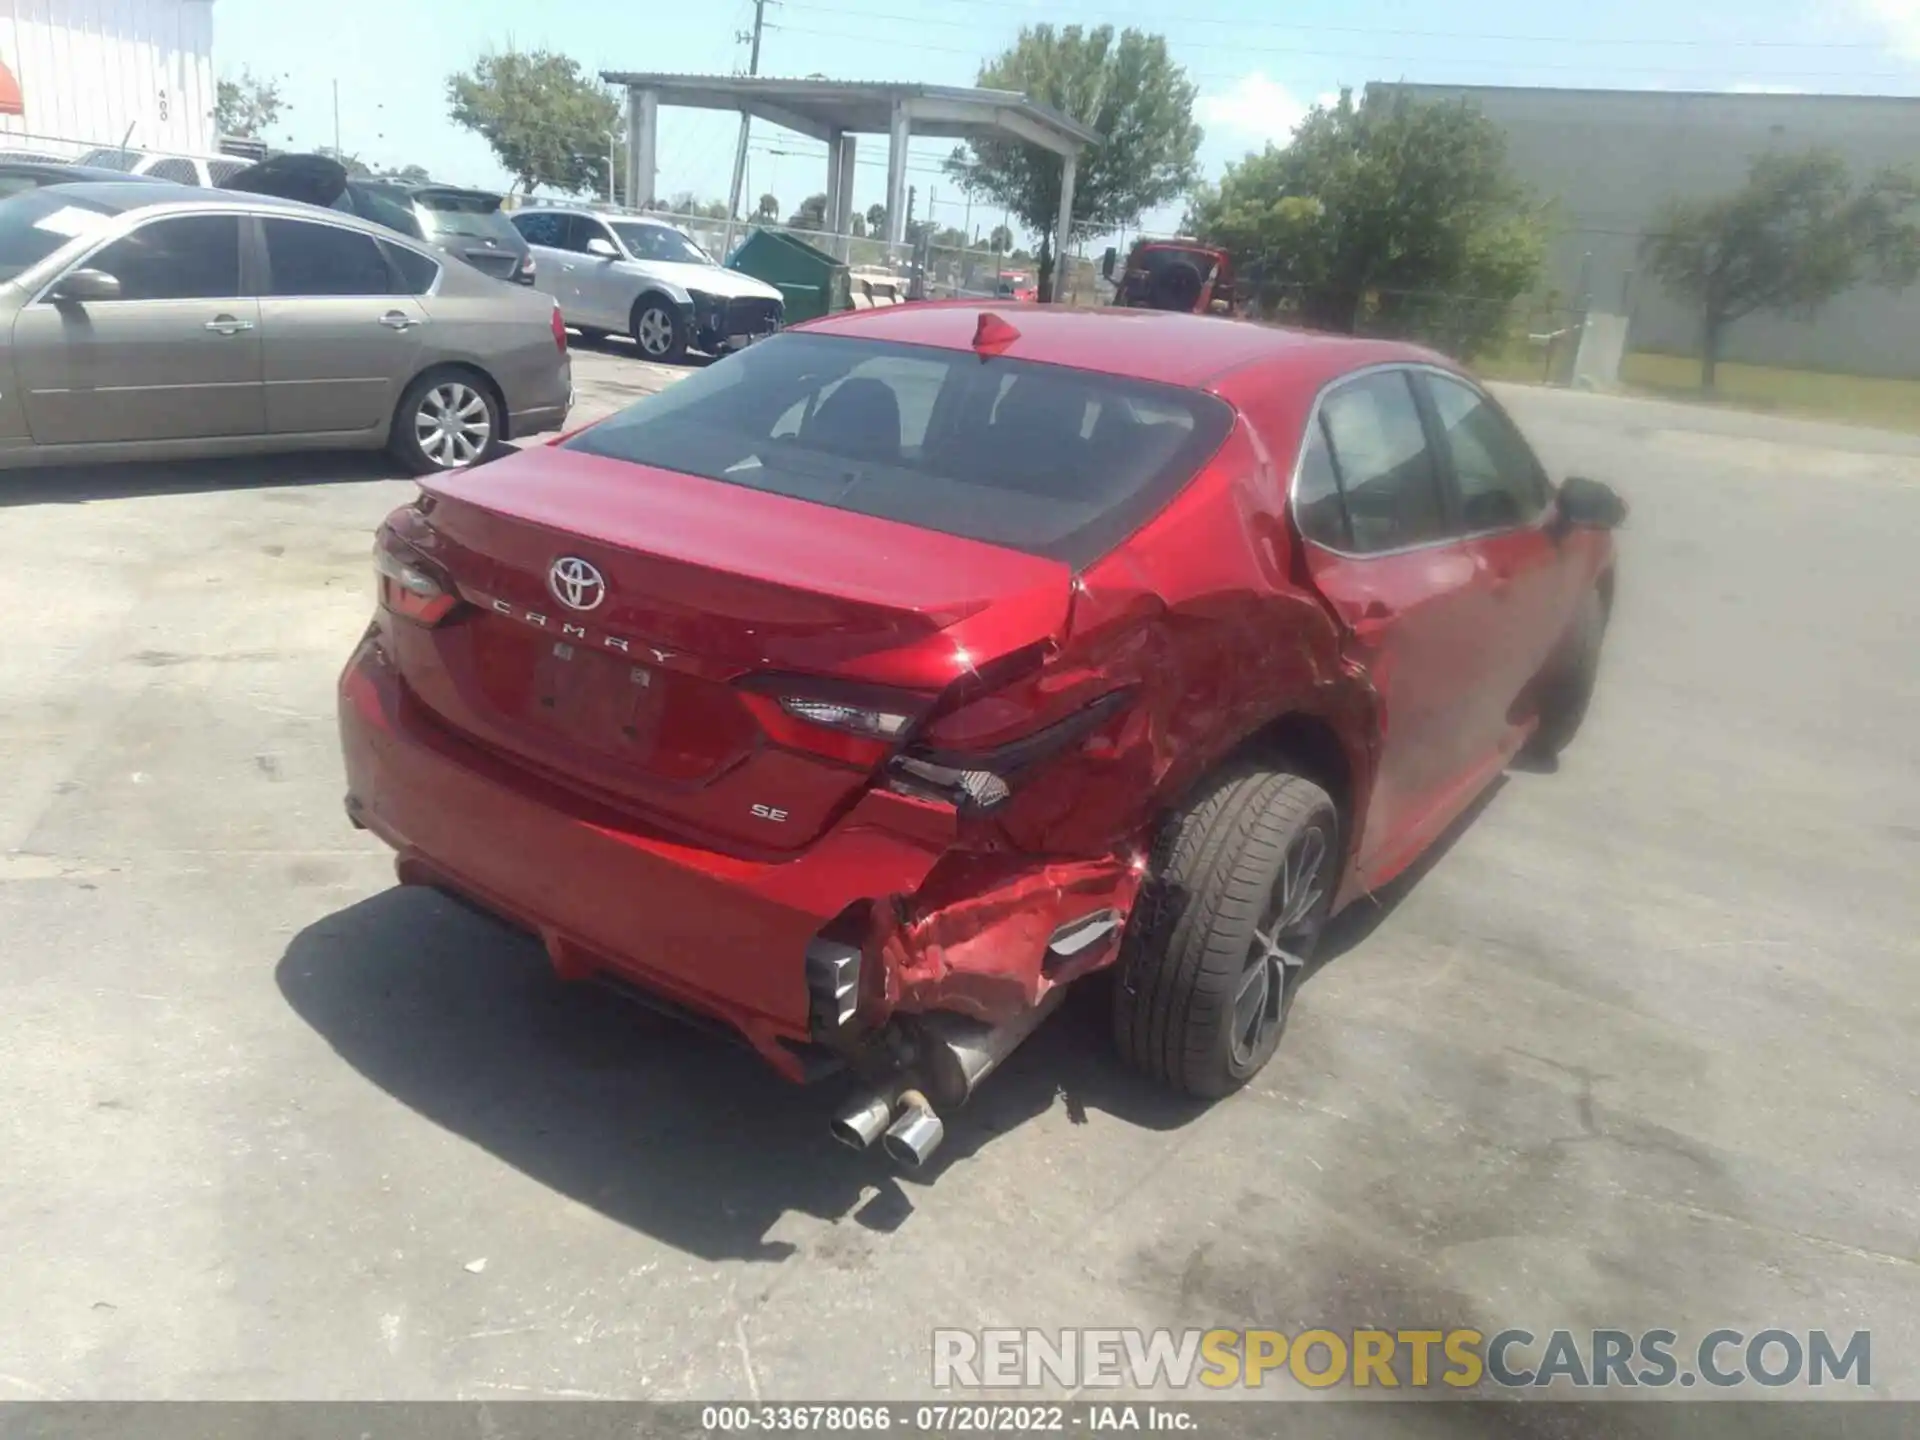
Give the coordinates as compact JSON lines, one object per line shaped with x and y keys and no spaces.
{"x":1256,"y":72}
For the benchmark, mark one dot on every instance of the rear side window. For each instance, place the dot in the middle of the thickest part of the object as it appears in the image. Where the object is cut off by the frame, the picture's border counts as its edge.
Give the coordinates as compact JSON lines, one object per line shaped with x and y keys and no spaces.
{"x":1317,"y":505}
{"x":1387,"y":475}
{"x":538,"y":229}
{"x":417,"y":272}
{"x":1056,"y":462}
{"x":324,"y":260}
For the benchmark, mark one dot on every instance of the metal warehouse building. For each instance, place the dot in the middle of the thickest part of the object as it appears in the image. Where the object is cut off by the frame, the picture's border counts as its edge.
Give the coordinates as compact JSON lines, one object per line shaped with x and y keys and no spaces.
{"x":1609,"y":158}
{"x":97,"y":72}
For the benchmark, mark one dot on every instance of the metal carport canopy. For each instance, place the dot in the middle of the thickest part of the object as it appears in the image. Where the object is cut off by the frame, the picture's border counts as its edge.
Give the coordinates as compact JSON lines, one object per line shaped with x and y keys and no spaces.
{"x":836,"y":111}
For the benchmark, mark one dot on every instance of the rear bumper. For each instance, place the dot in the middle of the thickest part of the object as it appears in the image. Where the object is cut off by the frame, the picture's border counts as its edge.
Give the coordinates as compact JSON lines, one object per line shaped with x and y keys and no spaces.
{"x":718,"y":934}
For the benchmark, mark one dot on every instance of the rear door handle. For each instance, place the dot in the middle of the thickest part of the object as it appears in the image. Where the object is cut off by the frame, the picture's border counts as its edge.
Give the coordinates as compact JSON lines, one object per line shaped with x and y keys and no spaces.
{"x":396,"y":320}
{"x":228,"y":325}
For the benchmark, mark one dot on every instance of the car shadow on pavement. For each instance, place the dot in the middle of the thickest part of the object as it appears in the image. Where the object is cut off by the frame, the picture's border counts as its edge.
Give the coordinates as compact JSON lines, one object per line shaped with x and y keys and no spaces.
{"x":624,"y":347}
{"x":123,"y":480}
{"x":654,"y":1124}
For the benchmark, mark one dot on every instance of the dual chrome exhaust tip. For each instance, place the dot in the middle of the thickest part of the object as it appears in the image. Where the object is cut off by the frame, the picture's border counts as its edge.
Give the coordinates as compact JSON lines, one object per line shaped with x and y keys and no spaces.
{"x":956,"y":1054}
{"x":902,"y":1120}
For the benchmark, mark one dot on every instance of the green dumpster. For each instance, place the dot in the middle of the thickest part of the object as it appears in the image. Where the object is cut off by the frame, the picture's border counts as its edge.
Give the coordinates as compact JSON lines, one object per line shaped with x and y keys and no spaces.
{"x":812,"y":281}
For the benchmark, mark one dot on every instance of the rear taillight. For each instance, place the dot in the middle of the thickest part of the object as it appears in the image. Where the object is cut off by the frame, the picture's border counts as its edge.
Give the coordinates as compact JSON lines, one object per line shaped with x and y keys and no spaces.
{"x":986,"y":777}
{"x":410,"y":586}
{"x":854,"y":725}
{"x":559,"y":329}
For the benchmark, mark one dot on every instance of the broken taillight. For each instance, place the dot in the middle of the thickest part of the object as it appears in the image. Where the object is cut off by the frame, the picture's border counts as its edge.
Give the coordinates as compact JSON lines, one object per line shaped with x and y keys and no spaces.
{"x":858,"y":725}
{"x":410,"y":586}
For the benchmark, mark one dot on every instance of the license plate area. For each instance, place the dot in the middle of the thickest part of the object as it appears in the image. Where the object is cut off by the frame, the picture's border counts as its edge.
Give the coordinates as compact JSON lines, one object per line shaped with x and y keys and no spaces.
{"x":603,"y":701}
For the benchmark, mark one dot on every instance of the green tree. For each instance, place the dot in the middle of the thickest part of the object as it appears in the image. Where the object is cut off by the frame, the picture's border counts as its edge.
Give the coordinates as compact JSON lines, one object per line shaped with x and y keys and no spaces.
{"x":768,"y":208}
{"x":1128,"y":89}
{"x":1386,"y":215}
{"x":409,"y":174}
{"x":546,"y":120}
{"x":246,"y":107}
{"x":1794,"y":236}
{"x":858,"y":224}
{"x":877,"y":219}
{"x":1000,"y":240}
{"x":812,"y":214}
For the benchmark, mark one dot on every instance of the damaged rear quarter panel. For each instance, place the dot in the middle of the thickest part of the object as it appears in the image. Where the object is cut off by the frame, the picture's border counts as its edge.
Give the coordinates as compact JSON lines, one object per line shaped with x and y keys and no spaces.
{"x":1204,"y":616}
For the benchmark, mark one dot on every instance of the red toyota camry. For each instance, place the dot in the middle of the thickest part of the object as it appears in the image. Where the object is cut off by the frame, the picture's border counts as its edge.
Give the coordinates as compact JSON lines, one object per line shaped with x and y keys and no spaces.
{"x":863,"y":690}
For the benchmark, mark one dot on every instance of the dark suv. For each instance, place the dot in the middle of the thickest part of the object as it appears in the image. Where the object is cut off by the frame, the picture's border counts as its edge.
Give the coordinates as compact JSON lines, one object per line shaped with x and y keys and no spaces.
{"x":465,"y":223}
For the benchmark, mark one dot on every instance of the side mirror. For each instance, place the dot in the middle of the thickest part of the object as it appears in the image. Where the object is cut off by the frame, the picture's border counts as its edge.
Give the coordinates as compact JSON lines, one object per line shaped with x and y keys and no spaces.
{"x":602,"y":247}
{"x":1107,"y":262}
{"x":77,"y":287}
{"x":1588,"y":505}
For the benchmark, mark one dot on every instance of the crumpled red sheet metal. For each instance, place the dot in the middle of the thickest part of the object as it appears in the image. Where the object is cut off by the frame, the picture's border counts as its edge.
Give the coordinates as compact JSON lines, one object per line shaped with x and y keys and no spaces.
{"x":974,"y":938}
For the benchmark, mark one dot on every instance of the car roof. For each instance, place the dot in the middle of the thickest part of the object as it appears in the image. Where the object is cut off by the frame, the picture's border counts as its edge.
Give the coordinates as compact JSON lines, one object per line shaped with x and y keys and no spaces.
{"x":67,"y":174}
{"x":1165,"y":346}
{"x":128,"y":195}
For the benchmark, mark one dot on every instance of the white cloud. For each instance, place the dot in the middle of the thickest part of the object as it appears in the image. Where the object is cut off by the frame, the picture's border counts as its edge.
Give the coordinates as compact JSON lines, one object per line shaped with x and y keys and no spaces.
{"x":1254,"y":107}
{"x":1901,"y":21}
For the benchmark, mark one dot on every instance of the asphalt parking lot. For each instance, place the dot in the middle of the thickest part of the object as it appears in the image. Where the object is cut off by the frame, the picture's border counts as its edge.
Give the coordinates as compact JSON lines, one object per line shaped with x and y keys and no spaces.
{"x":1637,"y":1050}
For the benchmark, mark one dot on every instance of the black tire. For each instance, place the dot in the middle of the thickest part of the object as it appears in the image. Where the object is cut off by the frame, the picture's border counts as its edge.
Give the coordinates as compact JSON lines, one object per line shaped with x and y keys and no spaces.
{"x":658,"y":330}
{"x":1191,"y":953}
{"x":424,"y":448}
{"x":1566,"y":690}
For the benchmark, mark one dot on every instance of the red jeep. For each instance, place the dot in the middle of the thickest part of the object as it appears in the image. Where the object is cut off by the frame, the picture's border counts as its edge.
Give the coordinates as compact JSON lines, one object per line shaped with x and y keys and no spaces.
{"x":1182,"y":275}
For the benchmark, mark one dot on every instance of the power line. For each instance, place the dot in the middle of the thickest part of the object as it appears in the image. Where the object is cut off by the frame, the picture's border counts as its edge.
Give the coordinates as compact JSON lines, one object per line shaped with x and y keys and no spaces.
{"x":1587,"y":65}
{"x":1393,"y":31}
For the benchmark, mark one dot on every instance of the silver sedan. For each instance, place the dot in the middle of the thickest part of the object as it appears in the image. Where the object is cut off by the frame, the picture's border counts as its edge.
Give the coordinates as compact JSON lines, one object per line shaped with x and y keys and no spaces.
{"x":139,"y":325}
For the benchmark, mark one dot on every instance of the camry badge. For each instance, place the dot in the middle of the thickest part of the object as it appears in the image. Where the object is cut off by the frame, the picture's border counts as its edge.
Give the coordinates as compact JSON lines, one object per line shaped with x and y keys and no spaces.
{"x":576,"y":584}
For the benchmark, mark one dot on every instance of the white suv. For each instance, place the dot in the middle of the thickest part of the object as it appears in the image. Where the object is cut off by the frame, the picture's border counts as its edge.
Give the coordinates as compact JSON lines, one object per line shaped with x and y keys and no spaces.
{"x":612,"y":271}
{"x":210,"y":171}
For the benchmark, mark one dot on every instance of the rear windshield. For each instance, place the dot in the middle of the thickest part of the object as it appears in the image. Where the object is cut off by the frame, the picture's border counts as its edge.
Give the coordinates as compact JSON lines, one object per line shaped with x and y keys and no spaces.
{"x":1056,"y":462}
{"x":469,"y":217}
{"x":36,"y":223}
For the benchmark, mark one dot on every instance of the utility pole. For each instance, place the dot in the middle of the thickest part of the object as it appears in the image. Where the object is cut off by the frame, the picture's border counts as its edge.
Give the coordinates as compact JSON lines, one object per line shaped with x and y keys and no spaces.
{"x":746,"y":119}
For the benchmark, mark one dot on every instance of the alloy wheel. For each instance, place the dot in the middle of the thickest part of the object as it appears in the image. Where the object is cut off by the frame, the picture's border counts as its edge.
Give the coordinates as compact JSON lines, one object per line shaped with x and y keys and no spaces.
{"x":654,"y":331}
{"x":1277,"y":954}
{"x":453,"y":425}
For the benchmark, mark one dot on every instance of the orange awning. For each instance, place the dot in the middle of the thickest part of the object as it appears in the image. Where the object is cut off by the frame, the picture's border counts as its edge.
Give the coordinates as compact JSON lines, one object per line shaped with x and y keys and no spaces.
{"x":10,"y":101}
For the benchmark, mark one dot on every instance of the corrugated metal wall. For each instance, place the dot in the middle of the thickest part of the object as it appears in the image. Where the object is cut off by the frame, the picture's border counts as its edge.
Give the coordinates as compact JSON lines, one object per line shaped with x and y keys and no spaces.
{"x":90,"y":69}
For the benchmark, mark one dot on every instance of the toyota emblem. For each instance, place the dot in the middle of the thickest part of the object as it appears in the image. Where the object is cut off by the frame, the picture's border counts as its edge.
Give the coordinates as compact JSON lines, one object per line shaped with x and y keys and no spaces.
{"x":576,"y":584}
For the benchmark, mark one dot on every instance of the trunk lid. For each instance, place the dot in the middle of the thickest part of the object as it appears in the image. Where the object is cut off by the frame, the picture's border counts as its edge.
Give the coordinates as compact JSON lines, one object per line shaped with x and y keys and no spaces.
{"x":681,"y":589}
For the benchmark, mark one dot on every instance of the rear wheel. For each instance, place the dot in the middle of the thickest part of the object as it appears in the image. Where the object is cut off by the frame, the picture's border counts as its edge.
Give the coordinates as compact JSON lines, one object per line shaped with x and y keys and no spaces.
{"x":1566,"y":689}
{"x":1243,"y":883}
{"x":447,"y":420}
{"x":658,"y":329}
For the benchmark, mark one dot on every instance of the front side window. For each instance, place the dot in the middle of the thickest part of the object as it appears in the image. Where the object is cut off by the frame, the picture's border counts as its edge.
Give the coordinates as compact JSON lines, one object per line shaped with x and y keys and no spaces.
{"x":1499,"y":481}
{"x":1056,"y":462}
{"x":308,"y":259}
{"x":1387,"y":475}
{"x":586,"y":231}
{"x":186,"y":257}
